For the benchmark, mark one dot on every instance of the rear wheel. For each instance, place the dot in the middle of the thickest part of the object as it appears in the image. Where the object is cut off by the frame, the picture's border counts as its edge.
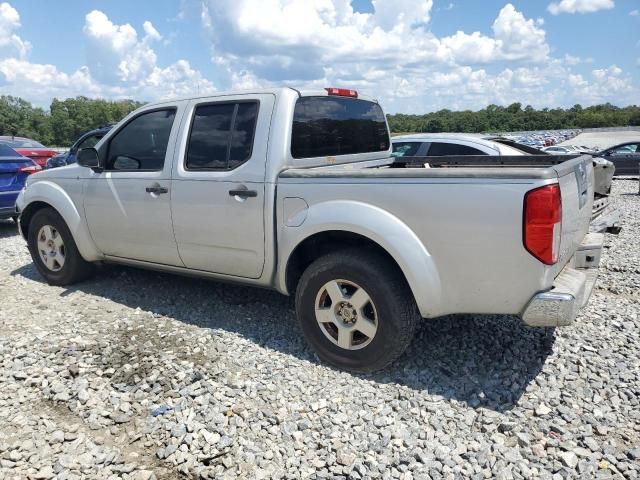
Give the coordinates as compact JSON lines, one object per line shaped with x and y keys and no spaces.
{"x":53,"y":250}
{"x":356,"y":310}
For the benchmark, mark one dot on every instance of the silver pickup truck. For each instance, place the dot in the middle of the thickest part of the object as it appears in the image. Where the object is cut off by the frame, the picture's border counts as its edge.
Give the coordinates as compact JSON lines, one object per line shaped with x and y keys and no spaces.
{"x":297,"y":191}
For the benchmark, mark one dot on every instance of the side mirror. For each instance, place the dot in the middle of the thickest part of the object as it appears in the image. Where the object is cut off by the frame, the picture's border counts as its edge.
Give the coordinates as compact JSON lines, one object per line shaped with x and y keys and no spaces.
{"x":88,"y":157}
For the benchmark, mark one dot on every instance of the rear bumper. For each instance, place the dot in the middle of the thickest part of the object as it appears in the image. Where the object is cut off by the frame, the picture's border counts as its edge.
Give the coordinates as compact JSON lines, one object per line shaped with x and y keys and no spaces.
{"x":571,"y":289}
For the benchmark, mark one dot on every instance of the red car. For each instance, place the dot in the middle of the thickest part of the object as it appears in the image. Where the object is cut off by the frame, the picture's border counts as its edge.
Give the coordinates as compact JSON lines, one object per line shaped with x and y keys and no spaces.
{"x":29,"y":148}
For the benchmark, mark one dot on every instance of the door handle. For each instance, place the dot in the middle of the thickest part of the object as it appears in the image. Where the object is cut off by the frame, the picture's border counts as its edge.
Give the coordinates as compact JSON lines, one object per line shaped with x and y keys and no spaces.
{"x":243,"y":193}
{"x":157,"y":190}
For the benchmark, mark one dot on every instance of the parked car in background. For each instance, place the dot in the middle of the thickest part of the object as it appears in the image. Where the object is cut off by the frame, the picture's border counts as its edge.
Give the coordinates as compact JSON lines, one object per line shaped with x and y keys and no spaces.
{"x":625,"y":157}
{"x":446,"y":144}
{"x":86,"y":140}
{"x":29,"y":148}
{"x":14,"y":170}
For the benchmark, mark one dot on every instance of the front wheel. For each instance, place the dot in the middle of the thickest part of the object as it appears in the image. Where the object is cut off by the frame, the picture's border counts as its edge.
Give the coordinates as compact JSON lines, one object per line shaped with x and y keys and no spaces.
{"x":356,"y":310}
{"x":54,"y":251}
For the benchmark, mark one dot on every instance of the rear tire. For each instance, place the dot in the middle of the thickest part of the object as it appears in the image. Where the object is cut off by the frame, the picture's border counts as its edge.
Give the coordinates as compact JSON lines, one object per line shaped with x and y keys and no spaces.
{"x":54,"y":251}
{"x":356,"y":310}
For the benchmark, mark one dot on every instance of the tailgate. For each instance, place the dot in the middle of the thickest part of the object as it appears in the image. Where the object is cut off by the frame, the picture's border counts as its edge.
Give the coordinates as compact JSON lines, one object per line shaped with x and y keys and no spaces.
{"x":576,"y":179}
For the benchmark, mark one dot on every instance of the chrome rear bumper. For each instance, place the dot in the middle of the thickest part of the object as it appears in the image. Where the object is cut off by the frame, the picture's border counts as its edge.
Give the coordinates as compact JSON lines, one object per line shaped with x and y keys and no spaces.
{"x":571,"y":289}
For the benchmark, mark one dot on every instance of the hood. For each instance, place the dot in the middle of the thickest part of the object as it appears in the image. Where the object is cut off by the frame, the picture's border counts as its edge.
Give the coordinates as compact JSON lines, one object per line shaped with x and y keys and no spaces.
{"x":72,"y":171}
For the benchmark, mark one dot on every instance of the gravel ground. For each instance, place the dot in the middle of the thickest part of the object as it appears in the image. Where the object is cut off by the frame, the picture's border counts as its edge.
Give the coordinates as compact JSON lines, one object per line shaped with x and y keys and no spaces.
{"x":143,"y":375}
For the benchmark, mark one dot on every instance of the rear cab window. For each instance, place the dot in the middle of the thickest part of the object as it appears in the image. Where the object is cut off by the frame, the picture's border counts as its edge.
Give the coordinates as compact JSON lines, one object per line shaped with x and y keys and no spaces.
{"x":330,"y":126}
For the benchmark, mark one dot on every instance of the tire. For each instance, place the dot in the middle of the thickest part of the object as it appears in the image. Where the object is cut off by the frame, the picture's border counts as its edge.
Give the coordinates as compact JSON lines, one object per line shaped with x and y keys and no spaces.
{"x":324,"y":312}
{"x":49,"y":237}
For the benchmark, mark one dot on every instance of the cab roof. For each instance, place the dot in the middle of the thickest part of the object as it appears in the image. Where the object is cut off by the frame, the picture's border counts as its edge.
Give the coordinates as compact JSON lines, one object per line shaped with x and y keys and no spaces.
{"x":257,"y":91}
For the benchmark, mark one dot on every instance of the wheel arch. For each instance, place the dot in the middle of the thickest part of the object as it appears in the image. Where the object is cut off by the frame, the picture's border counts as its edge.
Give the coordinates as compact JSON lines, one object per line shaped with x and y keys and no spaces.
{"x":336,"y":225}
{"x":46,"y":194}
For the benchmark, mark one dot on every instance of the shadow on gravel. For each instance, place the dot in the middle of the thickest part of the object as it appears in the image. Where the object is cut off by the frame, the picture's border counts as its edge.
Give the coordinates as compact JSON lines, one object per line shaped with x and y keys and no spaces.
{"x":483,"y":360}
{"x":8,"y":228}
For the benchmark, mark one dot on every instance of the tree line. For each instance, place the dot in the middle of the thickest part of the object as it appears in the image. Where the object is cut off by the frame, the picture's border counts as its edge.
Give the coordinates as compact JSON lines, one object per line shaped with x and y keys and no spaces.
{"x":514,"y":118}
{"x":66,"y":119}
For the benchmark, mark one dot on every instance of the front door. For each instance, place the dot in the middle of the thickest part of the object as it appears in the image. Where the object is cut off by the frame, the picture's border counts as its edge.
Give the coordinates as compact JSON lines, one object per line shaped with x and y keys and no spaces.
{"x":128,"y":205}
{"x":219,"y":185}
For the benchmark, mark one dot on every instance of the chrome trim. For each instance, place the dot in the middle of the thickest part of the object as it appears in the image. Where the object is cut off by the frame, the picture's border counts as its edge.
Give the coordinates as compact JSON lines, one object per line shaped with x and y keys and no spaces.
{"x":571,"y":289}
{"x":555,"y":308}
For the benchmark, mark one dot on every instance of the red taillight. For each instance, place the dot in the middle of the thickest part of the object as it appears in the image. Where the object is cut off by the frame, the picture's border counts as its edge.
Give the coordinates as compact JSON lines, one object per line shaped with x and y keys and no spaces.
{"x":543,"y":223}
{"x":31,"y":169}
{"x":342,"y":92}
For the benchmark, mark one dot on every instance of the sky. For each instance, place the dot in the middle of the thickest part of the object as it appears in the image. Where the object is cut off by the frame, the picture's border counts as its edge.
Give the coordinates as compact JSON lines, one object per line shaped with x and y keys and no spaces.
{"x":415,"y":56}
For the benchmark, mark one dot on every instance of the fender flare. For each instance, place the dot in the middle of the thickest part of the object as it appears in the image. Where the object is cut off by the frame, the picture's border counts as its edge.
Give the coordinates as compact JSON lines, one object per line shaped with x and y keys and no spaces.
{"x":379,"y":226}
{"x":52,"y":194}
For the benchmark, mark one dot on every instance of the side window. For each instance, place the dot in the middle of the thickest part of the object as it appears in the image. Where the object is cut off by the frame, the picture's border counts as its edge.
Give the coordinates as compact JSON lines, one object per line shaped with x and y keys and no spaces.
{"x":438,"y":149}
{"x":406,"y":149}
{"x":221,"y":136}
{"x":142,"y":143}
{"x":624,"y":149}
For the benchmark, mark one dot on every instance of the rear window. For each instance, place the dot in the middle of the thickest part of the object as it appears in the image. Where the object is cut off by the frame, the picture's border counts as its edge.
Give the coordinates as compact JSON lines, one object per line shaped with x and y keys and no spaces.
{"x":439,"y":149}
{"x":328,"y":126}
{"x":7,"y":151}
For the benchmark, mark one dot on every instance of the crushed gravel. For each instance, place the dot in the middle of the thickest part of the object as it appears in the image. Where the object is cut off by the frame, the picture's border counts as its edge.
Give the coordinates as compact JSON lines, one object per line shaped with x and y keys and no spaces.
{"x":142,"y":375}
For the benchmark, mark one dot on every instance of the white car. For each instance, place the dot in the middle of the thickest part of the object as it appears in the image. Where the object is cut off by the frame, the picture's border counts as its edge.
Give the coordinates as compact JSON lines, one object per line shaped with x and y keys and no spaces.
{"x":448,"y":144}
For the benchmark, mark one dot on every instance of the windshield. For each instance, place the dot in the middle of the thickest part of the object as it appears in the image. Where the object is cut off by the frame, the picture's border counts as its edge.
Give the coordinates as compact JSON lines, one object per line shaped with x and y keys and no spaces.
{"x":21,"y":143}
{"x":327,"y":126}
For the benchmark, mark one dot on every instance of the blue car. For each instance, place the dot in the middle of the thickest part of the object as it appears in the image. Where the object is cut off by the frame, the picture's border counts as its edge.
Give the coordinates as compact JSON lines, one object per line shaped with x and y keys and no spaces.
{"x":86,"y":140}
{"x":14,"y":170}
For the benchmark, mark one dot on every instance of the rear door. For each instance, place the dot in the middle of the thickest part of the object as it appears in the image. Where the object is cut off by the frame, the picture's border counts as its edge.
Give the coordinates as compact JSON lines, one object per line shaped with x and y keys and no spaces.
{"x":219,"y":184}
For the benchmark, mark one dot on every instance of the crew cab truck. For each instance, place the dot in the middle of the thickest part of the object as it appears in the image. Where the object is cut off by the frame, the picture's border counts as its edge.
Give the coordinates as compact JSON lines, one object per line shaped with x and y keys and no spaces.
{"x":298,"y":191}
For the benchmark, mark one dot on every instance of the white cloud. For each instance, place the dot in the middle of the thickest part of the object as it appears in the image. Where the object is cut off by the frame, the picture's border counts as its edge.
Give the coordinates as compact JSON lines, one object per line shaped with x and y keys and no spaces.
{"x":10,"y":41}
{"x":520,"y":38}
{"x":120,"y":65}
{"x":605,"y":85}
{"x":515,"y":38}
{"x":634,"y":13}
{"x":572,"y":60}
{"x":302,"y":40}
{"x":114,"y":51}
{"x":580,"y":6}
{"x":393,"y":55}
